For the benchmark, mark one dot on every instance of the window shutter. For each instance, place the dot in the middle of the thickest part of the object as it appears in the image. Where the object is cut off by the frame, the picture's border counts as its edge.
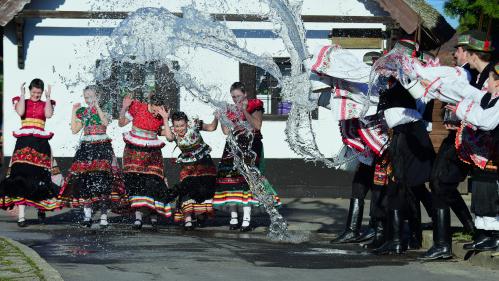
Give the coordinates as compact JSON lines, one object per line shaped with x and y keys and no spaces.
{"x":167,"y":86}
{"x":247,"y":75}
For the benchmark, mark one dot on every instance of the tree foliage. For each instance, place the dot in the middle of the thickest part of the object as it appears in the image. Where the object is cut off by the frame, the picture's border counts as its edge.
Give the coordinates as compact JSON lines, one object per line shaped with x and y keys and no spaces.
{"x":474,"y":14}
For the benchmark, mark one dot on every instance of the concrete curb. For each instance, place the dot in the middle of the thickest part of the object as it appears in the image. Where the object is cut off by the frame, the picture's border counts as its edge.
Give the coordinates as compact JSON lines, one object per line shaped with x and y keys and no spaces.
{"x":49,"y":273}
{"x":484,"y":259}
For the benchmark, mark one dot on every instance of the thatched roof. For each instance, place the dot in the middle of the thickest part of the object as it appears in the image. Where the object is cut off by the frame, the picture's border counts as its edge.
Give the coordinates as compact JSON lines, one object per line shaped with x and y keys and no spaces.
{"x":9,"y":9}
{"x":410,"y":13}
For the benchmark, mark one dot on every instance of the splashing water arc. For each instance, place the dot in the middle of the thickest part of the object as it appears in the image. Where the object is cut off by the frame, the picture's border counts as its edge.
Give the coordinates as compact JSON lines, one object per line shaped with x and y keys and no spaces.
{"x":156,"y":35}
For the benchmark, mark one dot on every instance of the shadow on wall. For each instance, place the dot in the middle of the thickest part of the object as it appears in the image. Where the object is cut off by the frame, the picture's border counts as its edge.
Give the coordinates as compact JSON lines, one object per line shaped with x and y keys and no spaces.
{"x":31,"y":23}
{"x":374,"y":8}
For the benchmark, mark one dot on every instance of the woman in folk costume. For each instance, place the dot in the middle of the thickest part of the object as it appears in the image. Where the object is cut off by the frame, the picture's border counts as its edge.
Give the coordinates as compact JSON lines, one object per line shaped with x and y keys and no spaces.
{"x":33,"y":179}
{"x":343,"y":89}
{"x":475,"y":144}
{"x":94,"y":179}
{"x":143,"y":165}
{"x":198,"y":174}
{"x":233,"y":191}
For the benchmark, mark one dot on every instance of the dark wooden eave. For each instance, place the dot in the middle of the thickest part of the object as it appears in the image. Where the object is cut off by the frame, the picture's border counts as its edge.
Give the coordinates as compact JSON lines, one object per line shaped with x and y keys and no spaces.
{"x":9,"y":9}
{"x":435,"y":31}
{"x":220,"y":17}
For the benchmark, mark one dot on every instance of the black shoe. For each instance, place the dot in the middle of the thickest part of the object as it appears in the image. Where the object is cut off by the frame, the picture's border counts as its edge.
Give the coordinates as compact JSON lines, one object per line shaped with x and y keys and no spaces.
{"x":42,"y":216}
{"x":86,"y":223}
{"x":379,"y":237}
{"x":394,"y":243}
{"x":137,"y":226}
{"x":354,"y":219}
{"x":442,"y":241}
{"x":200,"y":221}
{"x":390,"y":247}
{"x":246,"y":228}
{"x":22,"y":223}
{"x":490,"y":245}
{"x":366,"y":235}
{"x":480,"y":238}
{"x":154,"y":225}
{"x":437,"y":252}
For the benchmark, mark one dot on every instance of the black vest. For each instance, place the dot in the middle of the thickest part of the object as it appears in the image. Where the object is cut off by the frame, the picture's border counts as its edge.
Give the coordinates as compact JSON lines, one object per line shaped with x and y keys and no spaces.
{"x":396,"y":96}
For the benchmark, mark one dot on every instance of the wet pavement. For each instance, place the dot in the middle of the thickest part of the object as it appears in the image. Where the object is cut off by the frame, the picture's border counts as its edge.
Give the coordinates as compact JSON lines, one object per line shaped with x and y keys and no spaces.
{"x":214,"y":253}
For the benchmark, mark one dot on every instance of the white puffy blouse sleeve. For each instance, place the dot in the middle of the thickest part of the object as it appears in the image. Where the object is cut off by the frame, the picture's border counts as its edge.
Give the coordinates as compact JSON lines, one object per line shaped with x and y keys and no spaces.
{"x":470,"y":111}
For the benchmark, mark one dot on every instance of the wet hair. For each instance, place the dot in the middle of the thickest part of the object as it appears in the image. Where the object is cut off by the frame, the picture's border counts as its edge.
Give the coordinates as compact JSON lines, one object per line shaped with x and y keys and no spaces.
{"x":238,"y":86}
{"x":36,"y":83}
{"x":156,"y":99}
{"x":179,"y":115}
{"x":94,"y":88}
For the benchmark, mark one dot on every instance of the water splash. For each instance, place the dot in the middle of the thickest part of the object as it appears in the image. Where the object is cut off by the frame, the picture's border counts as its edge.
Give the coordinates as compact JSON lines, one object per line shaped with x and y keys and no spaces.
{"x":156,"y":35}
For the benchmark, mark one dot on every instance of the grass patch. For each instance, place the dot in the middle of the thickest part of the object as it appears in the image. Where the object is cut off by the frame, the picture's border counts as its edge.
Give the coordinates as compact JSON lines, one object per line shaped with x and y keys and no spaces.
{"x":12,"y":269}
{"x":462,"y":236}
{"x":6,"y":262}
{"x":14,"y":250}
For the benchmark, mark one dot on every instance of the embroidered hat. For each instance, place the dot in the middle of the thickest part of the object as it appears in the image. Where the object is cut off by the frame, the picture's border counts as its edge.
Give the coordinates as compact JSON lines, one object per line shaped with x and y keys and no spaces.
{"x":480,"y":43}
{"x":463,"y":40}
{"x":411,"y":48}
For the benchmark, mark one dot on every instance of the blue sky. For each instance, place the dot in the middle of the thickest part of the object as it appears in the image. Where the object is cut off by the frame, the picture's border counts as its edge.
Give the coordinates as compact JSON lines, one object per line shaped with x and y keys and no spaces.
{"x":439,"y":5}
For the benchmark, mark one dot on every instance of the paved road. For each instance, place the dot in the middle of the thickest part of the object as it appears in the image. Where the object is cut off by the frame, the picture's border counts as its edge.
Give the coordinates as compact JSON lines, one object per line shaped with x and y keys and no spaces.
{"x":120,"y":253}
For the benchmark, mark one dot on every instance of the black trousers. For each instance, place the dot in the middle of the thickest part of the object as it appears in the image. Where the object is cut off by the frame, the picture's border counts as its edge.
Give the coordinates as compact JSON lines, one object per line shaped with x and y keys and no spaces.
{"x":407,"y":198}
{"x":448,"y":171}
{"x":363,"y":183}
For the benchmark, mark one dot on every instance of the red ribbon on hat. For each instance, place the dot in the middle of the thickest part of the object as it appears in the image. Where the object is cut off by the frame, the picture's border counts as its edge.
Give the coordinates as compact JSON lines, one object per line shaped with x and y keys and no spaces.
{"x":486,"y":45}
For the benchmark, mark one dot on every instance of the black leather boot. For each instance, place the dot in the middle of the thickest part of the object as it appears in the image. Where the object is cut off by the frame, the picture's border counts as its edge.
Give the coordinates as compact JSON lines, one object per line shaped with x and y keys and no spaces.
{"x":379,"y":236}
{"x":491,"y":244}
{"x":481,"y":236}
{"x":442,"y":241}
{"x":415,"y":239}
{"x":394,"y":244}
{"x":354,"y":220}
{"x":463,"y":214}
{"x":368,"y":233}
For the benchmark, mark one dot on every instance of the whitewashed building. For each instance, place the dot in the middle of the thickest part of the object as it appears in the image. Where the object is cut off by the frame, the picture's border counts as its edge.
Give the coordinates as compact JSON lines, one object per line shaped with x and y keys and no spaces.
{"x":61,"y":41}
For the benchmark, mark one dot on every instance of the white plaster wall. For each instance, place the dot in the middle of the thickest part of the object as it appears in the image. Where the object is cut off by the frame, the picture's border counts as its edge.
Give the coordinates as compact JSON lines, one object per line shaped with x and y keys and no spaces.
{"x":64,"y":57}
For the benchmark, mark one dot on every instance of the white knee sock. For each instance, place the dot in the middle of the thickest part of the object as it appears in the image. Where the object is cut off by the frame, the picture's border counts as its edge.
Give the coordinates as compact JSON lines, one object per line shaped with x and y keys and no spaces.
{"x":188,"y":220}
{"x":233,"y":214}
{"x":21,"y":209}
{"x":138,"y":217}
{"x":246,"y":216}
{"x":103,"y":219}
{"x":88,"y":213}
{"x":154,"y":218}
